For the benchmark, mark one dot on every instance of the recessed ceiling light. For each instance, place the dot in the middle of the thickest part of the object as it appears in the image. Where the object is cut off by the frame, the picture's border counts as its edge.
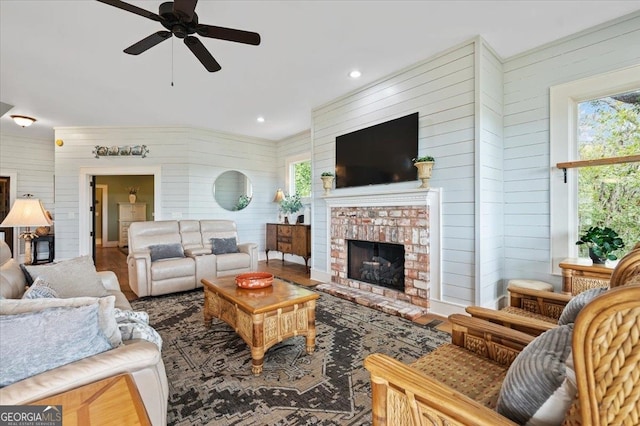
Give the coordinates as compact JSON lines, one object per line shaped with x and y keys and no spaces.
{"x":355,"y":74}
{"x":261,"y":119}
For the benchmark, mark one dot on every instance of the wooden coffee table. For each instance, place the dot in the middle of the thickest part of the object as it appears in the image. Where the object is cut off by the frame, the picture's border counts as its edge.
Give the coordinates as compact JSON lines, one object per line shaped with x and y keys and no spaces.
{"x":262,"y":317}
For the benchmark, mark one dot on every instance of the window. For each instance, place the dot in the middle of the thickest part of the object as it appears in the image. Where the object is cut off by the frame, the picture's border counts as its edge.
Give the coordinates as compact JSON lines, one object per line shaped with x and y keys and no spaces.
{"x":609,"y":195}
{"x":586,"y":124}
{"x":299,"y":176}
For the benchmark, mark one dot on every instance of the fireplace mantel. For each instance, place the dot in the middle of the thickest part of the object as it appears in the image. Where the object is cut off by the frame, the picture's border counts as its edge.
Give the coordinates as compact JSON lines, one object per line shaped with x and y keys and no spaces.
{"x":399,"y":197}
{"x":430,"y":198}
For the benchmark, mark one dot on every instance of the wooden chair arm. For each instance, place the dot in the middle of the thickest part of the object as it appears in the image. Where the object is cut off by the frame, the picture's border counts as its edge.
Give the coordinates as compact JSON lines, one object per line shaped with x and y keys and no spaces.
{"x":530,"y":326}
{"x":548,"y":295}
{"x":489,"y":340}
{"x":401,"y":392}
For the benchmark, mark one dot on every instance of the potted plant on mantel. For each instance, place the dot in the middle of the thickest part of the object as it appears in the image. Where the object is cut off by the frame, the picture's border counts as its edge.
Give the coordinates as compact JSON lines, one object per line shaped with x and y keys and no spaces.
{"x":424,"y":165}
{"x":602,"y":242}
{"x":327,"y":181}
{"x":290,"y":205}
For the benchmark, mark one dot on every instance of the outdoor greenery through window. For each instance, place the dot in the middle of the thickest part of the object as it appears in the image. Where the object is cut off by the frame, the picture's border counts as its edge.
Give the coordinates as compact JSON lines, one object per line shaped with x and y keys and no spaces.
{"x":610,"y":195}
{"x":300,"y":174}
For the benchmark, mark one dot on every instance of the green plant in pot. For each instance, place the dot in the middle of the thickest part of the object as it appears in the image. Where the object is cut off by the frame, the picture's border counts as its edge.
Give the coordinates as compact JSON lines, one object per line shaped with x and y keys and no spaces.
{"x":290,"y":204}
{"x":327,"y":181}
{"x":424,"y":165}
{"x":602,"y":242}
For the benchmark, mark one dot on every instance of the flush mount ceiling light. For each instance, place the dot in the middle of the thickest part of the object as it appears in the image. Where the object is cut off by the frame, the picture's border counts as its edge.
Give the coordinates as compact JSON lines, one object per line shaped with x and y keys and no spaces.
{"x":23,"y":120}
{"x":355,"y":74}
{"x":260,"y":119}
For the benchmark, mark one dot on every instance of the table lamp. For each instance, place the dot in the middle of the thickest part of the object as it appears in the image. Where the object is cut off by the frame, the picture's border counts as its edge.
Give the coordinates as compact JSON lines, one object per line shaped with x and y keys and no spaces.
{"x":279,"y":197}
{"x":26,"y":212}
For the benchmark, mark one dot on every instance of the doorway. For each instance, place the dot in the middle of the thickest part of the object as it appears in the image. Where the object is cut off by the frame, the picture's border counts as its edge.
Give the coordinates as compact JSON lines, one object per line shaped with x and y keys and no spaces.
{"x":6,"y":234}
{"x":87,"y":243}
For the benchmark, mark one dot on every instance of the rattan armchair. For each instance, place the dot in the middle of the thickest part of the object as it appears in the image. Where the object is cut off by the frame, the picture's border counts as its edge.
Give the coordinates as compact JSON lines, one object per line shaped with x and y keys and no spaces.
{"x":442,"y":389}
{"x":534,"y":311}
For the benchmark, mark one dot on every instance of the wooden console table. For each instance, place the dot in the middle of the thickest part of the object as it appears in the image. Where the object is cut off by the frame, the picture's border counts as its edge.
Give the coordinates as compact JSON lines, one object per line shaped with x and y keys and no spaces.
{"x":289,"y":239}
{"x":579,"y":275}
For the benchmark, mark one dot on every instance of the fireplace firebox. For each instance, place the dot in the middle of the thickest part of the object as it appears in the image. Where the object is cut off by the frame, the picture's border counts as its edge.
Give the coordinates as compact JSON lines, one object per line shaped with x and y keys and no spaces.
{"x":376,"y":263}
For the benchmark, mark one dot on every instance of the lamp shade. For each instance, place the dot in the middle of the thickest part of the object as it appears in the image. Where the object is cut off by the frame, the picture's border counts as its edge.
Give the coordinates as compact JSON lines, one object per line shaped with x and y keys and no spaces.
{"x":26,"y":212}
{"x":279,"y":196}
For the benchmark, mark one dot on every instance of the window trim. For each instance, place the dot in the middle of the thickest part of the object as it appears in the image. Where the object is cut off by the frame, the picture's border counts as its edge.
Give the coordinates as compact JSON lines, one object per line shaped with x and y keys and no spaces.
{"x":563,"y":107}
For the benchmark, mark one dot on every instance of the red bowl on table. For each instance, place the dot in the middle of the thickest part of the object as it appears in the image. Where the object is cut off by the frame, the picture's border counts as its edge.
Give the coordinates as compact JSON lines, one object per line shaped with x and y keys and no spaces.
{"x":253,"y":280}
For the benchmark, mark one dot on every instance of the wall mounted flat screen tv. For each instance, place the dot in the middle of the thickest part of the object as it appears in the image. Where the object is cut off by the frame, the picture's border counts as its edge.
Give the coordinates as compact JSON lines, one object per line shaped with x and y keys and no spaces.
{"x":378,"y":154}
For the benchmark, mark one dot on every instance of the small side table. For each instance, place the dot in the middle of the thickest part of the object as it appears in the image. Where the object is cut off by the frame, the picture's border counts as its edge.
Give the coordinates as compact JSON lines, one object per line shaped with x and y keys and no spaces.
{"x":579,"y":275}
{"x":37,"y":248}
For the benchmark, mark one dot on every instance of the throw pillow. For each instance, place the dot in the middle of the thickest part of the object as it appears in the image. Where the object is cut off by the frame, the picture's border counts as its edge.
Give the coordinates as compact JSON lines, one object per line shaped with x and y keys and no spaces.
{"x":12,"y":280}
{"x":39,"y":341}
{"x":165,"y":251}
{"x":106,"y":311}
{"x":40,"y":289}
{"x":224,"y":245}
{"x":537,"y":374}
{"x":575,"y":305}
{"x":71,"y":278}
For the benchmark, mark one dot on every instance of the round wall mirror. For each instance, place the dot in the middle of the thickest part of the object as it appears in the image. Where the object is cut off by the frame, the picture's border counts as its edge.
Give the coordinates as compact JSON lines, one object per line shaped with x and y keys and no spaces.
{"x":232,"y":190}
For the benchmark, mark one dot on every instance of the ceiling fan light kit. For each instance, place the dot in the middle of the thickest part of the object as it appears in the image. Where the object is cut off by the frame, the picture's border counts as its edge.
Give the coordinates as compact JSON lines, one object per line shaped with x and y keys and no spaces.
{"x":180,"y":19}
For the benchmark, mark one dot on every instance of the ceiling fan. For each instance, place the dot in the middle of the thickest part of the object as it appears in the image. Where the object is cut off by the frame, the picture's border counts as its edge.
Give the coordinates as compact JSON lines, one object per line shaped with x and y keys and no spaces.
{"x":180,"y":19}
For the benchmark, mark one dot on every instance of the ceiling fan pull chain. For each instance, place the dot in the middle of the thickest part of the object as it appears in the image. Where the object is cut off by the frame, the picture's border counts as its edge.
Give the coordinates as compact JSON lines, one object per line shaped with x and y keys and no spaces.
{"x":172,"y":44}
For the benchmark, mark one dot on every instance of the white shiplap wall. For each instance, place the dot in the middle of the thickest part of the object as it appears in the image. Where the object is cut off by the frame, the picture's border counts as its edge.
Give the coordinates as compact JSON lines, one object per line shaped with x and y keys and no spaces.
{"x":489,"y":176}
{"x":527,"y":79}
{"x":30,"y":162}
{"x":187,"y":162}
{"x":441,"y":89}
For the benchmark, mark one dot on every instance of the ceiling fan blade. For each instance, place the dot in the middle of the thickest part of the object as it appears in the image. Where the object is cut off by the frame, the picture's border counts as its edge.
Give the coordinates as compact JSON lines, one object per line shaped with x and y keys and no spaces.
{"x":147,"y":43}
{"x":195,"y":45}
{"x":133,"y":9}
{"x":230,"y":34}
{"x":185,"y":8}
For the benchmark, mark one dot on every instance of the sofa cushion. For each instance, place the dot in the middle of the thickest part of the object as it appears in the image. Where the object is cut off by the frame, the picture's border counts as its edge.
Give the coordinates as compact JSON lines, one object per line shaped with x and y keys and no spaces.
{"x":537,"y":379}
{"x":575,"y":305}
{"x":39,"y":341}
{"x":233,"y":261}
{"x":105,"y":305}
{"x":173,"y":268}
{"x":40,"y":289}
{"x":12,"y":280}
{"x":224,"y":245}
{"x":165,"y":251}
{"x":75,"y":277}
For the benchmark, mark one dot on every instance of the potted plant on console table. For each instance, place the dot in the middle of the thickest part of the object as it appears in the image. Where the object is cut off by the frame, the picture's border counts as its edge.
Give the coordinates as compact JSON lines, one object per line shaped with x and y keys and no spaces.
{"x":424,"y":165}
{"x":290,"y":205}
{"x":602,"y":242}
{"x":327,"y":181}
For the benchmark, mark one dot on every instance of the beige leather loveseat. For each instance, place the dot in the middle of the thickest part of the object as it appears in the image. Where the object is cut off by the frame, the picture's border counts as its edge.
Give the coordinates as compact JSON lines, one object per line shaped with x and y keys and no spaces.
{"x":139,"y":358}
{"x":170,"y":256}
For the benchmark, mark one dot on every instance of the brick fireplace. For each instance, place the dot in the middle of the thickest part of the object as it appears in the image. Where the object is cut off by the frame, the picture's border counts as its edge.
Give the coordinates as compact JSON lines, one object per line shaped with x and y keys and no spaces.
{"x":406,"y":217}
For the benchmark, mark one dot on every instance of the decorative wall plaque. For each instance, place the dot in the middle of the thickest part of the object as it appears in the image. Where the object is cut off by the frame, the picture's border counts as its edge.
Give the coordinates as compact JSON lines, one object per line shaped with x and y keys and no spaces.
{"x":125,"y":150}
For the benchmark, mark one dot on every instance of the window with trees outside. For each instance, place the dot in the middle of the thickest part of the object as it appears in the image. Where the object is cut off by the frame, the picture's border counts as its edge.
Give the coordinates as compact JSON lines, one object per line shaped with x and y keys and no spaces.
{"x":609,"y":195}
{"x":594,"y":153}
{"x":300,"y":178}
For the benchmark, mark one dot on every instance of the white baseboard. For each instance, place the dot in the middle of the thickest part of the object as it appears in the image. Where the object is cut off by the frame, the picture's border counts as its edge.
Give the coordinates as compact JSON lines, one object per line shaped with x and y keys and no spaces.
{"x":323,"y":276}
{"x":439,"y":307}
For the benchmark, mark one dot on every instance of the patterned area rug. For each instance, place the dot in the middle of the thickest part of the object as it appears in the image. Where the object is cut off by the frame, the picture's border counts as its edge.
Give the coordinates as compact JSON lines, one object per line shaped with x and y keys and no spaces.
{"x":209,"y":370}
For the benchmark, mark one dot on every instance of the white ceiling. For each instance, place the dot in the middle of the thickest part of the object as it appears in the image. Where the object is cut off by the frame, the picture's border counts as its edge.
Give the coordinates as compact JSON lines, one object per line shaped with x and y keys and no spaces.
{"x":62,"y":61}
